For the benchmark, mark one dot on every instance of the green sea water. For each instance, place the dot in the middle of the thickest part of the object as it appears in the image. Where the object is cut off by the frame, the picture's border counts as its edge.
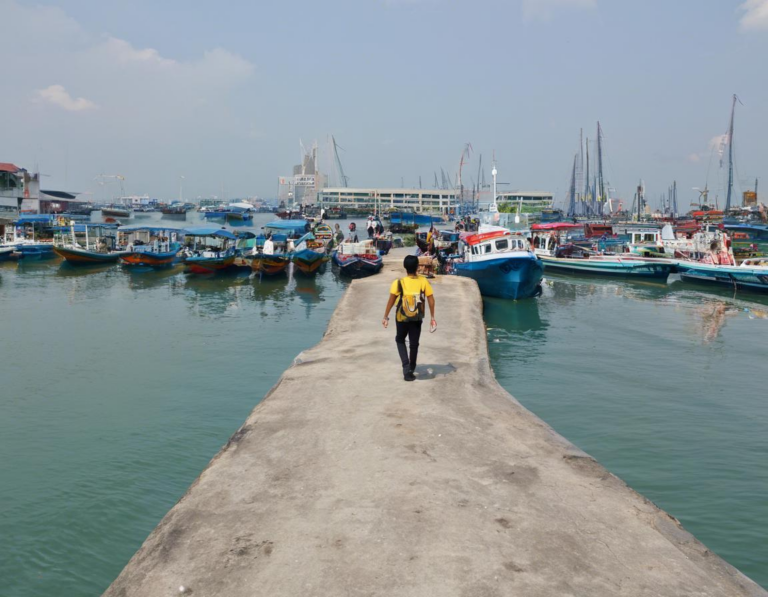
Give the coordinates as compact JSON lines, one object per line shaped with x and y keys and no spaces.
{"x":119,"y":387}
{"x":664,"y":385}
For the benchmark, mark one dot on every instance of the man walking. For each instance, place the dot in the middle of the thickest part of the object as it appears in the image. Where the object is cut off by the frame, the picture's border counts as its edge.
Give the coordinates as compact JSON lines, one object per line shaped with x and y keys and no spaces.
{"x":410,"y":294}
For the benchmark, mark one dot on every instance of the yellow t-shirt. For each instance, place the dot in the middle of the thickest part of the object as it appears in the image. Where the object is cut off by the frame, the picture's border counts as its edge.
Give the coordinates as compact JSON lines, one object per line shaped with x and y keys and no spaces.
{"x":411,"y":286}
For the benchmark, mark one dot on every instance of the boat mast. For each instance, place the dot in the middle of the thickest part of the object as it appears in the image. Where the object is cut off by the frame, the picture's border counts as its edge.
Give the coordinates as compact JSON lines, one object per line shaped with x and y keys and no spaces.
{"x":730,"y":157}
{"x":601,"y":186}
{"x":572,"y":192}
{"x":674,"y":198}
{"x":580,"y":176}
{"x":586,"y":177}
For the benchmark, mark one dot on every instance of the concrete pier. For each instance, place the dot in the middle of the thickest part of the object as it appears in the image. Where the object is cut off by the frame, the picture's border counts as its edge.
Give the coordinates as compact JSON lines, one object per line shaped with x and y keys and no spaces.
{"x":345,"y":480}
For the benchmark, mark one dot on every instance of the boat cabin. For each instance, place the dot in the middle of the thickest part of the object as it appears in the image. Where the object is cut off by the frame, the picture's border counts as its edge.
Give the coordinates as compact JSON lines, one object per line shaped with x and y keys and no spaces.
{"x":147,"y":239}
{"x":488,"y":245}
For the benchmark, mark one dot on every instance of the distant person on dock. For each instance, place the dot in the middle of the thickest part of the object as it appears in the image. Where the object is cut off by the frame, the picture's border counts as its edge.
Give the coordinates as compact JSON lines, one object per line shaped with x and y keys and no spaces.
{"x":371,"y":227}
{"x":410,"y":293}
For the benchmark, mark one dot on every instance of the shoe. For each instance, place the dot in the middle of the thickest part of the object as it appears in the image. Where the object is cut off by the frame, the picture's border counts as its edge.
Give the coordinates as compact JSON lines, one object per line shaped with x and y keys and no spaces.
{"x":409,"y":376}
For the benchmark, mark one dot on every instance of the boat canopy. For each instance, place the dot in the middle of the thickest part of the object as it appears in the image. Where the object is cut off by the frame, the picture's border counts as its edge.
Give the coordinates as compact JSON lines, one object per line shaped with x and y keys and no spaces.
{"x":556,"y":226}
{"x":287,"y":225}
{"x":35,"y":219}
{"x":474,"y":239}
{"x":209,"y":231}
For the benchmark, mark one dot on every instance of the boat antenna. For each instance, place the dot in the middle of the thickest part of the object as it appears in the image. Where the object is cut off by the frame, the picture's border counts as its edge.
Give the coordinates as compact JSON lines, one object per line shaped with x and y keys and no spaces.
{"x":494,"y":208}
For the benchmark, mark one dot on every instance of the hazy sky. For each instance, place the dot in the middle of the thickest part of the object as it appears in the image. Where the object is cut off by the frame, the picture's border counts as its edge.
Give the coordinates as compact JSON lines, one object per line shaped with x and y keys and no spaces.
{"x":221,"y":92}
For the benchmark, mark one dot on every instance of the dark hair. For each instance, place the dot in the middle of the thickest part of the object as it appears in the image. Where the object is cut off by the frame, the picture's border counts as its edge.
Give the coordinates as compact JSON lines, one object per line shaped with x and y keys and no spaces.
{"x":411,"y":264}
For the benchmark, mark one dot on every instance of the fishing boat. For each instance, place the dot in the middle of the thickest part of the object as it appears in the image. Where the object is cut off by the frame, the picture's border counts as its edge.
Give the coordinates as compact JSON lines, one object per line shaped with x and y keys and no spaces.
{"x":358,"y":260}
{"x":573,"y":259}
{"x":175,"y":210}
{"x":26,"y":237}
{"x":234,"y":211}
{"x":545,"y":238}
{"x":309,"y":254}
{"x":150,"y":246}
{"x":323,"y":233}
{"x":272,"y":253}
{"x":501,"y":262}
{"x":116,"y":211}
{"x":209,"y":250}
{"x":664,"y":243}
{"x":5,"y":253}
{"x":751,"y":274}
{"x":88,"y":244}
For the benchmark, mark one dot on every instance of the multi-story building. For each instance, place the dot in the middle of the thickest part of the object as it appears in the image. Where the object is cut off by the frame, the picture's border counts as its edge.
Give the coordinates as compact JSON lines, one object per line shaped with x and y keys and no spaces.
{"x":530,"y":199}
{"x":302,"y":187}
{"x":434,"y":201}
{"x":13,"y":189}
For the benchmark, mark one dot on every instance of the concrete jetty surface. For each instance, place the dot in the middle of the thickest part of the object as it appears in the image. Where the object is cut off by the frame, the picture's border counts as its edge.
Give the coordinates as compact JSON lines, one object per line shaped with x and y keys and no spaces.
{"x":347,"y":481}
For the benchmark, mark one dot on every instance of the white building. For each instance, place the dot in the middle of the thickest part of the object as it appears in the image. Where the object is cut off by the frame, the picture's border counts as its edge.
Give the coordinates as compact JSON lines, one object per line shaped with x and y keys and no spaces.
{"x":532,"y":199}
{"x":434,"y":201}
{"x":11,"y":189}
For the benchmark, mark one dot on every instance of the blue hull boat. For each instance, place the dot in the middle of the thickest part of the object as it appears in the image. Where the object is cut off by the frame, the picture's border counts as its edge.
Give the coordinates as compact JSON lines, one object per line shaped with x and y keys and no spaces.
{"x":501,"y":263}
{"x":509,"y":277}
{"x":413,"y":218}
{"x":752,"y":274}
{"x":36,"y":251}
{"x":358,"y":266}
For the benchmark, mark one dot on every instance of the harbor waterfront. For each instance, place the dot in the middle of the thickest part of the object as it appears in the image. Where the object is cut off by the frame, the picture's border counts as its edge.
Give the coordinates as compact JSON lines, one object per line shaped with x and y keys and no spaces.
{"x":177,"y":368}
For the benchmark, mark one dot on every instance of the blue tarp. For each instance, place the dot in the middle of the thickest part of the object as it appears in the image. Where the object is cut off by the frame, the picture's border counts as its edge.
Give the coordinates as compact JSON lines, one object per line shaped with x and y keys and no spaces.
{"x":35,"y":219}
{"x":209,"y":231}
{"x":287,"y":225}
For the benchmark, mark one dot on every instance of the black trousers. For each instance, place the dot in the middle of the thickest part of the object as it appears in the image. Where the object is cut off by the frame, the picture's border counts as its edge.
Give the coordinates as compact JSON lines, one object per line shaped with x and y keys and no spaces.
{"x":411,"y":329}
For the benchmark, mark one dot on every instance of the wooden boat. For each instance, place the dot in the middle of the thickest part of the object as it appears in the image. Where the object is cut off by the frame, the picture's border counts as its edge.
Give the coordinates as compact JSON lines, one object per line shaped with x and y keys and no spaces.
{"x":116,"y":211}
{"x":175,"y":209}
{"x":323,"y":233}
{"x":24,"y":239}
{"x":84,"y":244}
{"x":150,"y":246}
{"x":358,"y":260}
{"x":270,"y":264}
{"x":576,"y":260}
{"x":5,"y":253}
{"x":751,"y":274}
{"x":309,"y":255}
{"x":502,"y":264}
{"x":209,"y":250}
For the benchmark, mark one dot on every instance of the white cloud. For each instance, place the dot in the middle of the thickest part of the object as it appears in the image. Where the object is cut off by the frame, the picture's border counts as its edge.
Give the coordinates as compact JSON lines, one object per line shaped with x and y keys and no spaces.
{"x":124,"y":53}
{"x":544,"y":10}
{"x":59,"y":96}
{"x":718,"y":143}
{"x":755,"y":15}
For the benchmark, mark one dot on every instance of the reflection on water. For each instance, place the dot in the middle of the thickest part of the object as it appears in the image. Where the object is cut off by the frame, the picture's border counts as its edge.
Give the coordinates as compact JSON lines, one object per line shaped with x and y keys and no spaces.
{"x":515,"y":328}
